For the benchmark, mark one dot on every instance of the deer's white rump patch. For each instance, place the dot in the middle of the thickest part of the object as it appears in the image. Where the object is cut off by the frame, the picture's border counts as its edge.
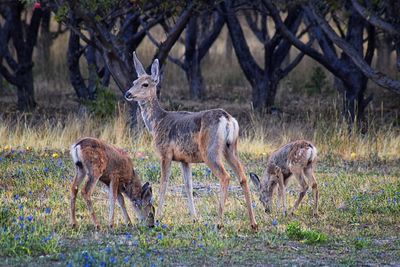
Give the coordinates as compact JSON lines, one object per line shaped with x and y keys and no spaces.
{"x":311,"y":153}
{"x":228,"y":129}
{"x":76,"y":153}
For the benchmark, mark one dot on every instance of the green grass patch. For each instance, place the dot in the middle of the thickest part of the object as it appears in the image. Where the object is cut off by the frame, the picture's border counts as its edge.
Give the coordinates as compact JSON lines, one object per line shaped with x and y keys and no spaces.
{"x":295,"y":231}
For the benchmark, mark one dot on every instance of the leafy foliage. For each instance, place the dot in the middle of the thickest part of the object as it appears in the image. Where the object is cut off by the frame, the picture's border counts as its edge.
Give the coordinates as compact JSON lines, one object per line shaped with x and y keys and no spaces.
{"x":317,"y":81}
{"x":295,"y":231}
{"x":104,"y":106}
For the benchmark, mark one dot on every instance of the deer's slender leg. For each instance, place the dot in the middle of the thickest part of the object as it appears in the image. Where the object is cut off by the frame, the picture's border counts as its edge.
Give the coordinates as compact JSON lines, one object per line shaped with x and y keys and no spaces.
{"x":79,"y":176}
{"x":303,"y":189}
{"x":165,"y":173}
{"x":309,"y":172}
{"x":113,"y":192}
{"x":219,"y":171}
{"x":187,"y":177}
{"x":233,"y":161}
{"x":93,"y":177}
{"x":282,"y":192}
{"x":121,"y":203}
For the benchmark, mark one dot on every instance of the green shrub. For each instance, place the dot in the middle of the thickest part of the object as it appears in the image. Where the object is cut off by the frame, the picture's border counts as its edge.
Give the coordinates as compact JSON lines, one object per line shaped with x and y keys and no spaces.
{"x":295,"y":231}
{"x":316,"y":82}
{"x":104,"y":106}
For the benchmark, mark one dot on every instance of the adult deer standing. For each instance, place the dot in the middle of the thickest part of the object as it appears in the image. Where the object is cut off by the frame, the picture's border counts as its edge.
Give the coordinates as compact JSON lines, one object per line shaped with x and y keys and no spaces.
{"x":189,"y":137}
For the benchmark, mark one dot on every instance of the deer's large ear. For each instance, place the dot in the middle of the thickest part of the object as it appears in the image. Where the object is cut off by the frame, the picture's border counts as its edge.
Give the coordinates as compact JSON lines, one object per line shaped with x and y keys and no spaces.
{"x":155,"y":71}
{"x":138,"y":66}
{"x":147,"y":193}
{"x":256,"y":181}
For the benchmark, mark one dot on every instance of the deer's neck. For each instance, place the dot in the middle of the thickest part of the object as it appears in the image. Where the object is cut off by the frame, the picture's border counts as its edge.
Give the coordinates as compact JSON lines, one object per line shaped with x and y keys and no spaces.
{"x":152,"y":112}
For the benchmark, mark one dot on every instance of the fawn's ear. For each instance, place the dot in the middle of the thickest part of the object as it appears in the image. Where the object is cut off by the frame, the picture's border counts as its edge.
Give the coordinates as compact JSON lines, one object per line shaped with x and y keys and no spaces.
{"x":138,"y":66}
{"x":147,"y":193}
{"x":254,"y":178}
{"x":155,"y":71}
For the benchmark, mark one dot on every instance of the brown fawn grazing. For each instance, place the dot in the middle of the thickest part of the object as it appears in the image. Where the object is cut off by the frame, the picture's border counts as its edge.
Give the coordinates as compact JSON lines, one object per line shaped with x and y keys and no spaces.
{"x":297,"y":158}
{"x":189,"y":137}
{"x":113,"y":167}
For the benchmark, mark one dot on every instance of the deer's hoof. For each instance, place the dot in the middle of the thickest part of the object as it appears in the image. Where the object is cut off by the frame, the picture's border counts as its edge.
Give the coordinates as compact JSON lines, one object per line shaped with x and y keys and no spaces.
{"x":220,"y":226}
{"x":254,"y":226}
{"x":73,"y":225}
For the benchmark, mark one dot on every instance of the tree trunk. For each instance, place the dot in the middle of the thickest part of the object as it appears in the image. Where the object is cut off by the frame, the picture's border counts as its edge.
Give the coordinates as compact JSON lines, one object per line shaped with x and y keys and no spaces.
{"x":45,"y":41}
{"x":271,"y":93}
{"x":259,"y":94}
{"x":92,"y":66}
{"x":195,"y":78}
{"x":383,"y":53}
{"x":75,"y":74}
{"x":25,"y":91}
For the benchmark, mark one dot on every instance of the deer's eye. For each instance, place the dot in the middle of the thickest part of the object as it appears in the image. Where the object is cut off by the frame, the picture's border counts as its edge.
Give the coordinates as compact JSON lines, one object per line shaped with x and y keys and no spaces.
{"x":145,"y":85}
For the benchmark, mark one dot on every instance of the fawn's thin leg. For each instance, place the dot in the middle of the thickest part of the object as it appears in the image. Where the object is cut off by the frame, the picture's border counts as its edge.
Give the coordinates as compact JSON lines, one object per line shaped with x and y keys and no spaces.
{"x":112,"y":195}
{"x":93,"y":177}
{"x":79,"y":176}
{"x":187,"y":177}
{"x":303,"y":189}
{"x":309,"y":172}
{"x":233,"y":161}
{"x":282,"y":192}
{"x":121,"y":203}
{"x":165,"y":173}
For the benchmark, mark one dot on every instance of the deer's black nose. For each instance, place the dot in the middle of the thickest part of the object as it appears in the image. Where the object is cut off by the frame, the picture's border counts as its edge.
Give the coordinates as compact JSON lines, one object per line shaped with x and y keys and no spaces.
{"x":128,"y":95}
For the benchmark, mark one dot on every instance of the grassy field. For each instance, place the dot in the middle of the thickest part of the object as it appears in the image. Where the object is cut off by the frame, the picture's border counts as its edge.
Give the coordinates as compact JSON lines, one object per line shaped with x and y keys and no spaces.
{"x":359,"y":191}
{"x":358,"y":177}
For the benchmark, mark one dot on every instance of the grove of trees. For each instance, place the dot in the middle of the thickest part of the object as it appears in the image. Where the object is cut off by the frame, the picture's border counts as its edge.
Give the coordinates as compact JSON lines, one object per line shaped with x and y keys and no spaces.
{"x":343,"y":36}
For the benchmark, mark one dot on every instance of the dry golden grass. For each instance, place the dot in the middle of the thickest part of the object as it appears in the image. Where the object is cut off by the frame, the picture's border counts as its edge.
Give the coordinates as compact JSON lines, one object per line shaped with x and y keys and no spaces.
{"x":258,"y":137}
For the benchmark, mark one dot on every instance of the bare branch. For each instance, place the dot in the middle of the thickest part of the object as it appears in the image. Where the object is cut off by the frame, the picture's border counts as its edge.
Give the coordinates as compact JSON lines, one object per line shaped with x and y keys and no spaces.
{"x":375,"y":75}
{"x":375,"y":20}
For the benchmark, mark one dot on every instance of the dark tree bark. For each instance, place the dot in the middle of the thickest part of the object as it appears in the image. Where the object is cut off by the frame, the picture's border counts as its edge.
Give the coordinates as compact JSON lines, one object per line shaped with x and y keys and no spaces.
{"x":264,"y":81}
{"x":201,"y":32}
{"x":116,"y":47}
{"x":47,"y":37}
{"x":19,"y":70}
{"x":75,"y":51}
{"x":352,"y":78}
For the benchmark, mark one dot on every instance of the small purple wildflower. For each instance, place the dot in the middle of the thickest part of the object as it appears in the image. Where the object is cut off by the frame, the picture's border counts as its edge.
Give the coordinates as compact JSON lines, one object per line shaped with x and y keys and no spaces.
{"x":164,"y":226}
{"x":274,"y":222}
{"x":113,"y":260}
{"x":47,"y":210}
{"x":29,"y":218}
{"x":160,"y":236}
{"x":108,"y":249}
{"x":254,"y":204}
{"x":20,"y":206}
{"x":126,"y":259}
{"x":16,"y":197}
